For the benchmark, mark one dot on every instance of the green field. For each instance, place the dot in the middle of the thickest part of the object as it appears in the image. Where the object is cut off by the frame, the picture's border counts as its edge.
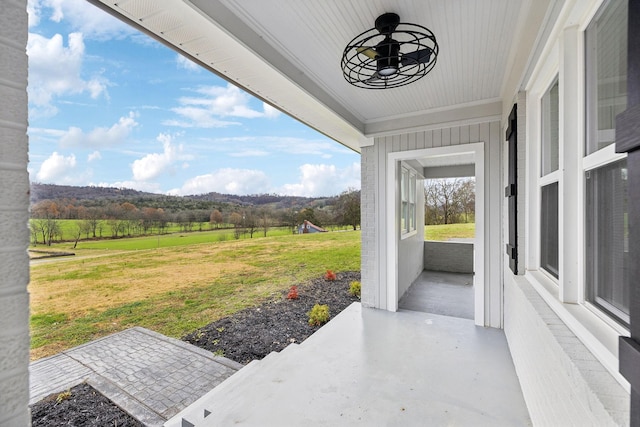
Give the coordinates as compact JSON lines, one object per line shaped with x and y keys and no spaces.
{"x":173,"y":289}
{"x":449,"y":231}
{"x":178,"y":282}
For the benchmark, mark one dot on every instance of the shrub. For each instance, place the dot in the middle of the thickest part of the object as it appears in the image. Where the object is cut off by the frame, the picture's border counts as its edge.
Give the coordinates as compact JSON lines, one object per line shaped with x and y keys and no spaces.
{"x":354,"y":288}
{"x":330,"y":275}
{"x":319,"y":315}
{"x":293,"y":292}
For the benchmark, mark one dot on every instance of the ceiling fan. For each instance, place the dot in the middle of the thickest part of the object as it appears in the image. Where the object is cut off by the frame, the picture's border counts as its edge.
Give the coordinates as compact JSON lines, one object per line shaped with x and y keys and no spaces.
{"x":390,"y":55}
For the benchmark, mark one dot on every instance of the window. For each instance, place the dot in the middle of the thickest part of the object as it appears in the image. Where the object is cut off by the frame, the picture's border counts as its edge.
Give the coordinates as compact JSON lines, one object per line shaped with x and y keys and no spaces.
{"x":607,"y":239}
{"x":549,"y":229}
{"x":605,"y":174}
{"x":408,"y":192}
{"x":606,"y":54}
{"x":550,"y":130}
{"x":549,"y":182}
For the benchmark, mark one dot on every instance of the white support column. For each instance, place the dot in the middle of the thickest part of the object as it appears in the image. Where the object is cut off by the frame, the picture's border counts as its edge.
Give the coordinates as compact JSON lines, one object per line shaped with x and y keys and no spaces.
{"x":570,"y":203}
{"x":14,"y":214}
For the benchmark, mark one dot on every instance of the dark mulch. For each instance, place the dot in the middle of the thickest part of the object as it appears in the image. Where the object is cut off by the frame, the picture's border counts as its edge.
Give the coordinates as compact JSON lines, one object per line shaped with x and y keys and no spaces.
{"x":255,"y":332}
{"x":249,"y":334}
{"x":84,"y":407}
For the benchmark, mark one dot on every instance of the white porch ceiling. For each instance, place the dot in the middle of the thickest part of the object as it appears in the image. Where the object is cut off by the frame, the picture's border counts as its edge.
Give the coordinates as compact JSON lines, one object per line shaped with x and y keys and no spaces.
{"x":287,"y":52}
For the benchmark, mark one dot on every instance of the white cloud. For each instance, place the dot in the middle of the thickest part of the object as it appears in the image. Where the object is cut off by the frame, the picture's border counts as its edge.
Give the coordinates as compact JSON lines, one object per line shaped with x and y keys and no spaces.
{"x":82,"y":16}
{"x":323,"y":180}
{"x":242,"y":146}
{"x":214,"y":103}
{"x":55,"y":71}
{"x":185,"y":63}
{"x":57,"y":168}
{"x":94,"y":156}
{"x":154,"y":164}
{"x":270,"y":111}
{"x":249,"y":153}
{"x":227,"y":181}
{"x":100,"y":136}
{"x":34,"y":9}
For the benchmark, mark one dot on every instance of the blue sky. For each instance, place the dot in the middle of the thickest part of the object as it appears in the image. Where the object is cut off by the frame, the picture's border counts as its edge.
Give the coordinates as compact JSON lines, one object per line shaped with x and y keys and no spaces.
{"x":109,"y":106}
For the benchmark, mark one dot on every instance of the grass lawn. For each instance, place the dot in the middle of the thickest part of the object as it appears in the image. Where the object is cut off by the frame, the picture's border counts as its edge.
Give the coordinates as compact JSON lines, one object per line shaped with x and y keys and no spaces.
{"x":173,"y":289}
{"x":448,"y":231}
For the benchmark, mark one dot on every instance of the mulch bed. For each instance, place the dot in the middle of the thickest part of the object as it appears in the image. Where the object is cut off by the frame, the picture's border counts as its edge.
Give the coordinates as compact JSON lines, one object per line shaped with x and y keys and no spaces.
{"x":247,"y":335}
{"x":255,"y":332}
{"x":84,"y":406}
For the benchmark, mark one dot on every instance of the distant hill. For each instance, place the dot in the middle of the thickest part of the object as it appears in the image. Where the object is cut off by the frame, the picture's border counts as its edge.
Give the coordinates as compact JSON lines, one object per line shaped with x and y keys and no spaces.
{"x":101,"y":196}
{"x":40,"y":192}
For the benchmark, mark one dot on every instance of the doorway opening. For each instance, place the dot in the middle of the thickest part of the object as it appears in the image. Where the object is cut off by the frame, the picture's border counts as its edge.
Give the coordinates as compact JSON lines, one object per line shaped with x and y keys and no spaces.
{"x":446,"y":285}
{"x":437,"y":288}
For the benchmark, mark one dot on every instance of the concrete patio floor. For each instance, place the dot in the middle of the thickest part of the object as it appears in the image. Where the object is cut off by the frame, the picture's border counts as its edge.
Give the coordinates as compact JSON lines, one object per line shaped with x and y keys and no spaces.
{"x":437,"y":292}
{"x":374,"y":368}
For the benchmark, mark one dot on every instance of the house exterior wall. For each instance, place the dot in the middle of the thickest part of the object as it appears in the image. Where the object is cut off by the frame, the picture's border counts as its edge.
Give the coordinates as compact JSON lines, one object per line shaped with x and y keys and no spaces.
{"x":14,"y":205}
{"x":562,"y":382}
{"x":375,"y":200}
{"x":564,"y":351}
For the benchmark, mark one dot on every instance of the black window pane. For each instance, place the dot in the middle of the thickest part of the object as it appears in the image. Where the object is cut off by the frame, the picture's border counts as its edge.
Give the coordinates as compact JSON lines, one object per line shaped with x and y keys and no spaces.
{"x":607,"y":239}
{"x":549,"y":229}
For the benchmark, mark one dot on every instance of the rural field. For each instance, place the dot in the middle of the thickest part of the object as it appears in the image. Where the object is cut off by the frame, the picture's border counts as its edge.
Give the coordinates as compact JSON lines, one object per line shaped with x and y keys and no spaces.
{"x":174,"y":289}
{"x":450,"y":231}
{"x":178,"y":282}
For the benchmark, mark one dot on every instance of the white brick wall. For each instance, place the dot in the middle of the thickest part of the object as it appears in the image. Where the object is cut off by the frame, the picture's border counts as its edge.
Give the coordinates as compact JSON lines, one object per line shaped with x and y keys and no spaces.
{"x":562,"y":382}
{"x":14,"y":205}
{"x":368,"y":268}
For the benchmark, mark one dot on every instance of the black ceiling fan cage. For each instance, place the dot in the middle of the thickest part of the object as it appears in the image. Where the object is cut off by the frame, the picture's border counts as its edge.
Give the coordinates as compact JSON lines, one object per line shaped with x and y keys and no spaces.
{"x":392,"y":54}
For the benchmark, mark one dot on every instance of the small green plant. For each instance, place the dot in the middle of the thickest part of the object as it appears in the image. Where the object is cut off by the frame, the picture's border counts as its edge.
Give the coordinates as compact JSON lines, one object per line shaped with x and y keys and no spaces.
{"x":63,"y":396}
{"x":319,"y":315}
{"x":219,"y":353}
{"x":293,"y":292}
{"x":355,"y":288}
{"x":330,"y":276}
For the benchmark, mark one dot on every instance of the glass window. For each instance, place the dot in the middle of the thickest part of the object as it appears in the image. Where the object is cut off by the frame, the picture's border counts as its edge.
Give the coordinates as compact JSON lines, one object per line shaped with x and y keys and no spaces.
{"x":550,"y":130}
{"x":549,"y":229}
{"x":606,"y":54}
{"x":408,"y":201}
{"x":607,"y":239}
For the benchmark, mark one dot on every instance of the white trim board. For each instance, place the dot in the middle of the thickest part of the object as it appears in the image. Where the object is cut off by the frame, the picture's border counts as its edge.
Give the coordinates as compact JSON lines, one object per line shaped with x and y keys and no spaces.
{"x":393,"y":160}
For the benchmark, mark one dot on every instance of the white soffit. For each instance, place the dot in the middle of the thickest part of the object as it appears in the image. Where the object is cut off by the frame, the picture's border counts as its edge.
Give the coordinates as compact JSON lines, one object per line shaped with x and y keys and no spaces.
{"x":287,"y":52}
{"x":447,"y":160}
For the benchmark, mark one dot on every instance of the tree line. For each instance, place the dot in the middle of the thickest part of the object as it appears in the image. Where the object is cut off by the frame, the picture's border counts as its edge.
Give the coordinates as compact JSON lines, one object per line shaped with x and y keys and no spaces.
{"x":449,"y":201}
{"x":117,"y":220}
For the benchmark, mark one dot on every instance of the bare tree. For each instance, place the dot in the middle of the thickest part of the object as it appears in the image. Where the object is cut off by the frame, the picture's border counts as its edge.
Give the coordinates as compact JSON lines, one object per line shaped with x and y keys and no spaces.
{"x":348,"y":208}
{"x":448,"y":199}
{"x":216,"y":218}
{"x":265,"y":220}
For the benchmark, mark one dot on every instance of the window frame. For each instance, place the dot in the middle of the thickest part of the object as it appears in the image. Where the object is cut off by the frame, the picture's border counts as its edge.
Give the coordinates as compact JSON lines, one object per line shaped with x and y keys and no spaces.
{"x":408,"y":197}
{"x":594,"y":160}
{"x":554,"y":176}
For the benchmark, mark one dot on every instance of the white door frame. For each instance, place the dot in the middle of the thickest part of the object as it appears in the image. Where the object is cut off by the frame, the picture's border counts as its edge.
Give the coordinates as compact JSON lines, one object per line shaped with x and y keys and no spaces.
{"x":393,"y":232}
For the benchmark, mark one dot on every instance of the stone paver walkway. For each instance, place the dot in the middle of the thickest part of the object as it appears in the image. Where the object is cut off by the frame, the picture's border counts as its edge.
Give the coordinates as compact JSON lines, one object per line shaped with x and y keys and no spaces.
{"x":149,"y":375}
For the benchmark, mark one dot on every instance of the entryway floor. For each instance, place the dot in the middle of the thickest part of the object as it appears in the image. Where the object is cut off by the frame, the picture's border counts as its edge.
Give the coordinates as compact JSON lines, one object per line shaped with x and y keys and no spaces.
{"x":437,"y":292}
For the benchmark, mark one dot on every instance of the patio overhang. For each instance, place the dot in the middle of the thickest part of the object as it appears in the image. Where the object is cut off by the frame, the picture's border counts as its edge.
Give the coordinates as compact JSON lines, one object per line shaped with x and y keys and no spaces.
{"x":288,"y":54}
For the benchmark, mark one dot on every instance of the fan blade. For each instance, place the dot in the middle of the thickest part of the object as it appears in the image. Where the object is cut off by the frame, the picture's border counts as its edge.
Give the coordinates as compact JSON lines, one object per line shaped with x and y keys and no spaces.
{"x":373,"y":78}
{"x":368,"y":51}
{"x":418,"y":57}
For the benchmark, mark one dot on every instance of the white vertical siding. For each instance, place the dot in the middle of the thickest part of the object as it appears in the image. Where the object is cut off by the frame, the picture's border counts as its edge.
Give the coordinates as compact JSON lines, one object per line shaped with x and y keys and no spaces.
{"x":14,"y":205}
